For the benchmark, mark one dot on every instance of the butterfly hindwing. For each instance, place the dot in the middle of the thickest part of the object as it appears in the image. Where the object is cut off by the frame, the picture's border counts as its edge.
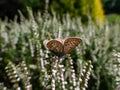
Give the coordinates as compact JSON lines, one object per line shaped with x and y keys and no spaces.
{"x":55,"y":46}
{"x":70,"y":44}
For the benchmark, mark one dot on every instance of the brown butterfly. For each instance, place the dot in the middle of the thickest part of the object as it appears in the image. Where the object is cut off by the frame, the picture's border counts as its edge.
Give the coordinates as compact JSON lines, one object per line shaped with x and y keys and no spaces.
{"x":60,"y":47}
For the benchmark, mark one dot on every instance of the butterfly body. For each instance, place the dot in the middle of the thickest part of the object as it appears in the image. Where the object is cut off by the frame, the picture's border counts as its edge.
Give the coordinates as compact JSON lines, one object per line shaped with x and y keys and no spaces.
{"x":60,"y":47}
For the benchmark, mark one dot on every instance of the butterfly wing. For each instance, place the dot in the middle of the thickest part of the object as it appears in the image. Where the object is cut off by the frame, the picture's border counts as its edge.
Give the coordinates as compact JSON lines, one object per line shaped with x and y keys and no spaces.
{"x":70,"y":44}
{"x":55,"y":46}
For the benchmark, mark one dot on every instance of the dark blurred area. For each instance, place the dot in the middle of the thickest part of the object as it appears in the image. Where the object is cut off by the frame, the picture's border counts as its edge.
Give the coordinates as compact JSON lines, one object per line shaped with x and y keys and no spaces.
{"x":111,"y":6}
{"x":9,"y":8}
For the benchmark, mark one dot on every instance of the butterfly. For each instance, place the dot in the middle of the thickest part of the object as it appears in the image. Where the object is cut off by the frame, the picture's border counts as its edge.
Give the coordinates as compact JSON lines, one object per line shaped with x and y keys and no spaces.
{"x":61,"y":47}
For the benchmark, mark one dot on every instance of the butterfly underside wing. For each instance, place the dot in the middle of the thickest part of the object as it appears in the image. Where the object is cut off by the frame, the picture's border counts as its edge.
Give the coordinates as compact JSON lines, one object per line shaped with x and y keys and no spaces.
{"x":55,"y":46}
{"x":70,"y":44}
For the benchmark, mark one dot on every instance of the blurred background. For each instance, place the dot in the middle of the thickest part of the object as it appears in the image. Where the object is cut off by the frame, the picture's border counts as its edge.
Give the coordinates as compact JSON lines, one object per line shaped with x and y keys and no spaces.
{"x":25,"y":24}
{"x":10,"y":8}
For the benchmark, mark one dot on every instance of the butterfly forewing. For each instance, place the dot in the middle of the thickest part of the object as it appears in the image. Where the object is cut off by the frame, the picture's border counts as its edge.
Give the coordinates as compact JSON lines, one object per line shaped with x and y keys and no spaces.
{"x":55,"y":46}
{"x":70,"y":44}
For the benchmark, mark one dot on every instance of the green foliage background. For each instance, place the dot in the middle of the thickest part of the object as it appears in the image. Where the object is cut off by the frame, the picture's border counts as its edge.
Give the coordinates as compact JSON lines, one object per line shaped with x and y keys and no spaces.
{"x":9,"y":8}
{"x":74,"y":7}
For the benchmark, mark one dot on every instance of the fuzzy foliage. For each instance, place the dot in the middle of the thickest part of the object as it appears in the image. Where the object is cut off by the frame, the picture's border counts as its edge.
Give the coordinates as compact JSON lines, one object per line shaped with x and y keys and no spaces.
{"x":22,"y":45}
